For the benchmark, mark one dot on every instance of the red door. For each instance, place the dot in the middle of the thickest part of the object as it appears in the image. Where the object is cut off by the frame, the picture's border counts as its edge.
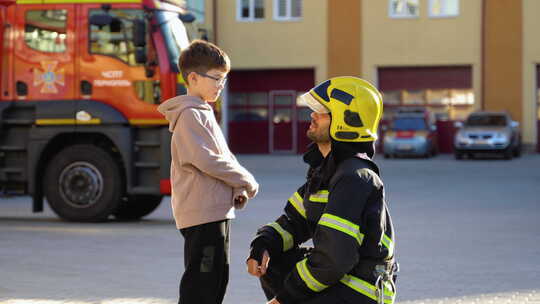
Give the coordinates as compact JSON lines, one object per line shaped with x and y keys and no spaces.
{"x":538,"y":108}
{"x":282,"y":121}
{"x":44,"y":57}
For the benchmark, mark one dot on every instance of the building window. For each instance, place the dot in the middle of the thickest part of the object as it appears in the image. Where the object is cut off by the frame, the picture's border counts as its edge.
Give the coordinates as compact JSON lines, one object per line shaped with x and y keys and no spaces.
{"x":287,"y":10}
{"x":248,"y":107}
{"x":403,"y":9}
{"x":116,"y":39}
{"x":443,"y":8}
{"x":45,"y":30}
{"x":453,"y":104}
{"x":196,"y":7}
{"x":250,"y":10}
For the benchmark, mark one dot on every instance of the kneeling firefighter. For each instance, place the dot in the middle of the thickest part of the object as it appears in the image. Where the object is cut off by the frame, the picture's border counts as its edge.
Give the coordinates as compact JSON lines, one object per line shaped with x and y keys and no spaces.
{"x":341,"y":207}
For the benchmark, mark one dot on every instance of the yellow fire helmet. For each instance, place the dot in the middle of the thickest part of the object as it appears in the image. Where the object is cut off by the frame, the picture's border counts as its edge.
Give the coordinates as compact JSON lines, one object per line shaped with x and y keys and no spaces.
{"x":356,"y":107}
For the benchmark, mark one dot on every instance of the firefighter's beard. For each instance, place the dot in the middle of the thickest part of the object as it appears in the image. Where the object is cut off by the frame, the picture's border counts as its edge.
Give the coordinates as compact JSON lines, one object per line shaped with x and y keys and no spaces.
{"x":319,"y":135}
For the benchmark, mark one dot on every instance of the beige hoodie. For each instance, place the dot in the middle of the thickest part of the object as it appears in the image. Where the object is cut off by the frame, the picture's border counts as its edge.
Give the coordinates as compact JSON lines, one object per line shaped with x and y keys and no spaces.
{"x":205,"y":175}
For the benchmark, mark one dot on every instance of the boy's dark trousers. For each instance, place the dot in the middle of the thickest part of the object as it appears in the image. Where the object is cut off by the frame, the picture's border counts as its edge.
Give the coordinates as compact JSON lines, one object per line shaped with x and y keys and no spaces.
{"x":206,"y":262}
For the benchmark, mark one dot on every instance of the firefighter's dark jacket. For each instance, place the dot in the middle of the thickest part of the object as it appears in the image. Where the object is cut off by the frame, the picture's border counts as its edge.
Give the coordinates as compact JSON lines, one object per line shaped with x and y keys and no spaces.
{"x":342,"y":208}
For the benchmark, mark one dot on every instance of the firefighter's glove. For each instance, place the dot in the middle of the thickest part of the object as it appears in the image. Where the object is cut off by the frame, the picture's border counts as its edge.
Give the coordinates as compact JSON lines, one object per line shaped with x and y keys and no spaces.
{"x":258,"y":259}
{"x":258,"y":269}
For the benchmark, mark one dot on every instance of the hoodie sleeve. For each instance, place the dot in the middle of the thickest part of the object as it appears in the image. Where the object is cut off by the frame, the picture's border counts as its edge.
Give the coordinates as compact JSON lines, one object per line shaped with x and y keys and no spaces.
{"x":201,"y":148}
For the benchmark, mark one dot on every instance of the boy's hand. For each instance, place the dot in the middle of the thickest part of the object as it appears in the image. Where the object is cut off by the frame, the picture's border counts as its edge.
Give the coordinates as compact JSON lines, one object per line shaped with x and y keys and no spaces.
{"x":253,"y":190}
{"x":273,"y":301}
{"x":240,"y":201}
{"x":240,"y":198}
{"x":257,"y":270}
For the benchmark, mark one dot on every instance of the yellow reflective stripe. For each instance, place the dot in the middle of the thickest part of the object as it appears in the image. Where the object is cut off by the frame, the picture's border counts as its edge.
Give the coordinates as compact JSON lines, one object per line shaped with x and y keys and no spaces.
{"x":66,"y":121}
{"x":298,"y":203}
{"x":148,"y":122}
{"x":285,"y":235}
{"x":308,"y":278}
{"x":343,"y":225}
{"x":320,"y":197}
{"x":367,"y":289}
{"x":388,"y":243}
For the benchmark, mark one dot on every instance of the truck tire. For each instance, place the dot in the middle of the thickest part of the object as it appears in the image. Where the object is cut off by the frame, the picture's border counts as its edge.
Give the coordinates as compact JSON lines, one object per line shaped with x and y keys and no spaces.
{"x":83,"y":183}
{"x":138,"y":206}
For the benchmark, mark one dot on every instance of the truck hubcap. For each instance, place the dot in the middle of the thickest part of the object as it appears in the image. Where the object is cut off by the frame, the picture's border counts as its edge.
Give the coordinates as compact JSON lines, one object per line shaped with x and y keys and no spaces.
{"x":81,"y":184}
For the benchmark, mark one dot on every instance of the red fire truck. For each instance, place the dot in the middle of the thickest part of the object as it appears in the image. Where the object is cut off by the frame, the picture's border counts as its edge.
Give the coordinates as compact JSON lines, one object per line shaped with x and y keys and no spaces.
{"x":80,"y":82}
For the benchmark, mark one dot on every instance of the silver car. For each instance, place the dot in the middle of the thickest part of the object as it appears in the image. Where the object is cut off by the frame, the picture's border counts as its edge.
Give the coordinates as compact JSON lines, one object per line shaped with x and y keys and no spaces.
{"x":488,"y":132}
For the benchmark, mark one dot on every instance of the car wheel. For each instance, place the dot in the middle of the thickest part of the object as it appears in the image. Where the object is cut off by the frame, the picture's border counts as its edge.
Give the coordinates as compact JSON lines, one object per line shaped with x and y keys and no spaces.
{"x":138,"y":206}
{"x":517,"y":151}
{"x":508,"y":154}
{"x":458,"y":155}
{"x":83,"y":183}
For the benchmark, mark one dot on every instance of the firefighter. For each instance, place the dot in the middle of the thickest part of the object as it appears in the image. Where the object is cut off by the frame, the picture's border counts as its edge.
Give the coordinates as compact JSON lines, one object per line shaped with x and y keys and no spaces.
{"x":341,"y":208}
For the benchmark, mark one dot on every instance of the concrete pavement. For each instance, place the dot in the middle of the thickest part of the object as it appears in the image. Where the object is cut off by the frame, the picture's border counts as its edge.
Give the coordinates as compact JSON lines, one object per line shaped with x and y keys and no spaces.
{"x":467,"y":232}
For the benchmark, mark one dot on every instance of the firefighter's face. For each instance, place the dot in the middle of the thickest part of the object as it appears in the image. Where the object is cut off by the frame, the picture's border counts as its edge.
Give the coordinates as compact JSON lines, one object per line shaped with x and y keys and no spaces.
{"x":210,"y":84}
{"x":319,"y":129}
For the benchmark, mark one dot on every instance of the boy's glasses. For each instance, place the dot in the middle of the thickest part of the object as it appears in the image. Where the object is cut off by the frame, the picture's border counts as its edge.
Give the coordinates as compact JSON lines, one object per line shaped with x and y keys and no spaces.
{"x":219,"y":81}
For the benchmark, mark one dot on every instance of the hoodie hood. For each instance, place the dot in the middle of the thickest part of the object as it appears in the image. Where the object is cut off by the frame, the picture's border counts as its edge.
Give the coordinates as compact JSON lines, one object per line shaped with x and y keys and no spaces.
{"x":172,"y":108}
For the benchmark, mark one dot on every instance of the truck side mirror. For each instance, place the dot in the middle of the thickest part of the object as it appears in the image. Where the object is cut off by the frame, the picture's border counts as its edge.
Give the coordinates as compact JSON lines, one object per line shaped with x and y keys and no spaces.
{"x":139,"y":33}
{"x":458,"y":124}
{"x":101,"y":20}
{"x":433,"y":128}
{"x":140,"y":55}
{"x":514,"y":124}
{"x":187,"y":18}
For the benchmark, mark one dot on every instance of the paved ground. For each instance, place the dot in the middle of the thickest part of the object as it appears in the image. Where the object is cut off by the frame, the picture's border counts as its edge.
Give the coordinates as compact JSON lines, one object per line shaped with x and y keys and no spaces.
{"x":467,"y":233}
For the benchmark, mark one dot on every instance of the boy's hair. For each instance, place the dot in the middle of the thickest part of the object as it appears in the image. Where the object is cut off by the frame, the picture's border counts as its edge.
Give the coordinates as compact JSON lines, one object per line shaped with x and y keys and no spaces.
{"x":202,"y":56}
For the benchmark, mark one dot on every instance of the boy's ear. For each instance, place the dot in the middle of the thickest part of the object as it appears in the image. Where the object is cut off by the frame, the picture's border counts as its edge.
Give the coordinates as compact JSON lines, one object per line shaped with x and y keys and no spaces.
{"x":192,"y":77}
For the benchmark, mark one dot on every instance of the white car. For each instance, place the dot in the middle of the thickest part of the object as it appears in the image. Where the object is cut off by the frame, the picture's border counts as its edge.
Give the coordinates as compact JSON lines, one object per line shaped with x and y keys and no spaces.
{"x":488,"y":132}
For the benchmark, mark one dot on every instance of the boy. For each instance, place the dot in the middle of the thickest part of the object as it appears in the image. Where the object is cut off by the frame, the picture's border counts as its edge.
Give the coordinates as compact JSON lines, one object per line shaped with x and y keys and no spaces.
{"x":207,"y":180}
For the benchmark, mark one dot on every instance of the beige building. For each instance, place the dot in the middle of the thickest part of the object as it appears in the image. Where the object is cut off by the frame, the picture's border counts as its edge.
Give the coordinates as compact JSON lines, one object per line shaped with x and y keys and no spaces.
{"x":451,"y":56}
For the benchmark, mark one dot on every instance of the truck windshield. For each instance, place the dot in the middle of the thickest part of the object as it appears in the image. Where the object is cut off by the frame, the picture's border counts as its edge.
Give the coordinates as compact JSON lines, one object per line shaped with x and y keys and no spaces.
{"x":175,"y":35}
{"x":409,"y":124}
{"x":486,"y":120}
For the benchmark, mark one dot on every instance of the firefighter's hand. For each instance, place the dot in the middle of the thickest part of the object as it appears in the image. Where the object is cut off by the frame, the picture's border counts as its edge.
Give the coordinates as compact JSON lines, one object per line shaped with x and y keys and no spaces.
{"x":273,"y":301}
{"x":257,"y":270}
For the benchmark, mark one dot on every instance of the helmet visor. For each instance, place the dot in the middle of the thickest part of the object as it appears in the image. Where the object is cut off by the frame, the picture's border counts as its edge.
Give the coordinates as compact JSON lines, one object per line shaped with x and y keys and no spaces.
{"x":308,"y":100}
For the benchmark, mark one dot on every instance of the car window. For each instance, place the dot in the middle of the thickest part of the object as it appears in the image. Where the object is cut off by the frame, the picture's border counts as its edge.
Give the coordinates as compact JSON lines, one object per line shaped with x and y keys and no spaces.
{"x":486,"y":120}
{"x":409,"y":124}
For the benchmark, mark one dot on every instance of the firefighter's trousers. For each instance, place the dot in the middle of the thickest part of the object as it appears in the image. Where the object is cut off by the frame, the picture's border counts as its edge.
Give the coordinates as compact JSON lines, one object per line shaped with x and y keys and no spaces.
{"x":281,"y":266}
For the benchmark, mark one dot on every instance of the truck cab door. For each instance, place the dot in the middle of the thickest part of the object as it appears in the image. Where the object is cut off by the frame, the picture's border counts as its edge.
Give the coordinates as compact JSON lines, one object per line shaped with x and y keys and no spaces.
{"x":44,"y":52}
{"x":110,"y":71}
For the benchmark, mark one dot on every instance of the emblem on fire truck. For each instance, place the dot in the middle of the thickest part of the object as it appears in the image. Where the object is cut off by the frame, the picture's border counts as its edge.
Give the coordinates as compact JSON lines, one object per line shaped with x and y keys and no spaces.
{"x":49,"y":77}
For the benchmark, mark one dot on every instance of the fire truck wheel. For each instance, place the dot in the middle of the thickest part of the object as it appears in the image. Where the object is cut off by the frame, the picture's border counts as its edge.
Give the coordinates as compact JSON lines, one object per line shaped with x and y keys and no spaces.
{"x":83,"y":183}
{"x":138,"y":206}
